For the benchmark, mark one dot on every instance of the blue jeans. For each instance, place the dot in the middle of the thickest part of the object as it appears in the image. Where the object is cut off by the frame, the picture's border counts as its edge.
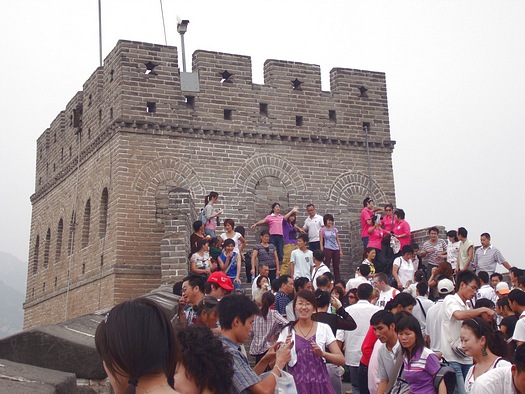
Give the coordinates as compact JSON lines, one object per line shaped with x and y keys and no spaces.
{"x":278,"y":242}
{"x":209,"y":232}
{"x":461,"y":373}
{"x":365,"y":242}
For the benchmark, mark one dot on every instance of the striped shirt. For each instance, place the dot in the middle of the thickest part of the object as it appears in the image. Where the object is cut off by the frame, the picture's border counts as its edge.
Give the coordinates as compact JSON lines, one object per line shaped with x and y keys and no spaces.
{"x":420,"y":370}
{"x":243,"y":375}
{"x":264,"y":329}
{"x":487,"y":259}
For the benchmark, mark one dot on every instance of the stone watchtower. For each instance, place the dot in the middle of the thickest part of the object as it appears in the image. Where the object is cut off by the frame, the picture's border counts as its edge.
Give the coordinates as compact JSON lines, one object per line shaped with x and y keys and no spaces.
{"x":122,"y":172}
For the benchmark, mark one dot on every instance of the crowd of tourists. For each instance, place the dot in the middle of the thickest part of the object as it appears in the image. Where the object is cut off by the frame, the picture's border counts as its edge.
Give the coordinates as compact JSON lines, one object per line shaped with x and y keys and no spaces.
{"x":435,"y":318}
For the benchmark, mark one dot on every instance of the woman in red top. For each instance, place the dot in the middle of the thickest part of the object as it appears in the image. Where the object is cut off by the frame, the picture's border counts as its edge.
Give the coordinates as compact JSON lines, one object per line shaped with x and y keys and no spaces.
{"x":401,"y":229}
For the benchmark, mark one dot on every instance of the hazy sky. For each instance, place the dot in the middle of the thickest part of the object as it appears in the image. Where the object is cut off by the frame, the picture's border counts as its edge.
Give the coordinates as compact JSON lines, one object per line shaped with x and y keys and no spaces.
{"x":454,"y":77}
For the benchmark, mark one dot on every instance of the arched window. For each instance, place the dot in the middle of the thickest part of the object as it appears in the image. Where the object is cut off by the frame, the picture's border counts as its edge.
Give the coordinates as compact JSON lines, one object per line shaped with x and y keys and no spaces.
{"x":71,"y":240}
{"x":60,"y":234}
{"x":85,"y":225}
{"x":46,"y":248}
{"x":103,"y":225}
{"x":35,"y":254}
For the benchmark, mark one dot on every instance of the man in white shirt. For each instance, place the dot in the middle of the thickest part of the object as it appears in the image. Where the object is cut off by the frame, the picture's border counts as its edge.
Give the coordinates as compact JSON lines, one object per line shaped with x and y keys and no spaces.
{"x":504,"y":380}
{"x":386,"y":292}
{"x":435,"y":316}
{"x":517,"y":304}
{"x":362,"y":311}
{"x":313,"y":225}
{"x":486,"y":290}
{"x":362,"y":273}
{"x":319,"y":267}
{"x":422,"y":306}
{"x":457,"y":308}
{"x":301,"y":259}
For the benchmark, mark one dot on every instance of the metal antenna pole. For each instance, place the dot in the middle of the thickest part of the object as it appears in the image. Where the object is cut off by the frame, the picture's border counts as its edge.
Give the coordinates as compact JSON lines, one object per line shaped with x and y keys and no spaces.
{"x":100,"y":31}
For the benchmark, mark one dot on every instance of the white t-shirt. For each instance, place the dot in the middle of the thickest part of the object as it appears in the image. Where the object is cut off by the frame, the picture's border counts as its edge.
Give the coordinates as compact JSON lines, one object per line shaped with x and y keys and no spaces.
{"x":434,"y":322}
{"x":498,"y":380}
{"x":486,"y":291}
{"x":418,"y":313}
{"x":317,"y":272}
{"x":302,"y":263}
{"x":362,"y":311}
{"x":406,"y":270}
{"x":469,"y":379}
{"x":519,"y":329}
{"x":313,"y":225}
{"x":451,"y":328}
{"x":386,"y":296}
{"x":235,"y":238}
{"x":355,"y":282}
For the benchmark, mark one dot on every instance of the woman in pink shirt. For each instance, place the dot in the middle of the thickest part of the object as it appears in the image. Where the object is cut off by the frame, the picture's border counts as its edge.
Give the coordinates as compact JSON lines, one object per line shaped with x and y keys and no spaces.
{"x":275,"y":223}
{"x":401,"y":229}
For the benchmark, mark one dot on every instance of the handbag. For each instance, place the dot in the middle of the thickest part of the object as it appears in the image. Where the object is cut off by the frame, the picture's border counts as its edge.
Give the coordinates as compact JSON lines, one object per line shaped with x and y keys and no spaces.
{"x":395,"y":244}
{"x":285,"y":384}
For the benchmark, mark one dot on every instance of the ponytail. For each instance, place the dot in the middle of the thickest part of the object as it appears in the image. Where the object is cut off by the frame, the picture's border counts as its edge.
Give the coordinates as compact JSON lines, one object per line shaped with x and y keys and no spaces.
{"x":209,"y":197}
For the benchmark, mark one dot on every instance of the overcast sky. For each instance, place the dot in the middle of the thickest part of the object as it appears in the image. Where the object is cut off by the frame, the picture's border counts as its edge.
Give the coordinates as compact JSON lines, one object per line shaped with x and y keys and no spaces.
{"x":455,"y":80}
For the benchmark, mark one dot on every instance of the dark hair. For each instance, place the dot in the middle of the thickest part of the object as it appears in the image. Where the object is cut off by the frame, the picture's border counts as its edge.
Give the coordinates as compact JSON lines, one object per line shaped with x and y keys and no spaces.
{"x":329,"y":275}
{"x":516,"y":271}
{"x":303,"y":237}
{"x":283,"y":279}
{"x":136,"y":339}
{"x":401,"y":299}
{"x":274,"y":205}
{"x":497,"y":274}
{"x":322,"y":298}
{"x":310,"y":205}
{"x":503,"y":302}
{"x":496,"y":341}
{"x":412,"y":324}
{"x":233,"y":306}
{"x":420,"y":276}
{"x":518,"y":296}
{"x":214,"y":241}
{"x":197,"y":225}
{"x":340,"y":292}
{"x":299,"y":283}
{"x":240,"y":229}
{"x":259,"y":280}
{"x":483,"y":276}
{"x":305,"y":295}
{"x":195,"y":281}
{"x":207,"y":363}
{"x":466,"y":277}
{"x":366,"y":201}
{"x":486,"y":235}
{"x":322,"y":281}
{"x":453,"y":234}
{"x":382,"y":316}
{"x":210,"y":196}
{"x":267,"y":300}
{"x":364,"y":291}
{"x":227,"y":242}
{"x":263,"y":233}
{"x":319,"y":255}
{"x":340,"y":281}
{"x":435,"y":229}
{"x":328,"y":217}
{"x":521,"y":280}
{"x":364,"y":255}
{"x":519,"y":358}
{"x":388,"y":206}
{"x":399,"y":213}
{"x":364,"y":269}
{"x":407,"y":249}
{"x":292,"y":215}
{"x":463,"y":232}
{"x":275,"y":285}
{"x":484,"y":303}
{"x":230,"y":222}
{"x":201,"y":243}
{"x":401,"y":314}
{"x":422,"y":288}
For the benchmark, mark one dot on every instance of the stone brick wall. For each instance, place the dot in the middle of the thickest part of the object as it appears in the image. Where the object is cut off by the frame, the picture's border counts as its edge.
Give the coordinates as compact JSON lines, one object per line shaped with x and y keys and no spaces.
{"x":122,"y":172}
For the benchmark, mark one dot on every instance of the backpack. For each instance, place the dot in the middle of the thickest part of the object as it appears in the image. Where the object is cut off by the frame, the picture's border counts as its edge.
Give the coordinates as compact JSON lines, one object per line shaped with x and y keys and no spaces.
{"x":448,"y":374}
{"x":202,"y":217}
